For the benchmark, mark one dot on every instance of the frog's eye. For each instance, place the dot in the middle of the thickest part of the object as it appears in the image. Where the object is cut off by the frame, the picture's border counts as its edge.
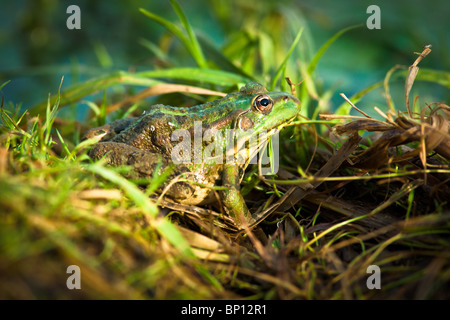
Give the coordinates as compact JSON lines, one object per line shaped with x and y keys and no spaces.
{"x":262,"y":103}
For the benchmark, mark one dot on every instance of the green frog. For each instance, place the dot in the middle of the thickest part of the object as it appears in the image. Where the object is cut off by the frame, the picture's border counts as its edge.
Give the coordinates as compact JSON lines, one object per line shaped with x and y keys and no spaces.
{"x":206,"y":145}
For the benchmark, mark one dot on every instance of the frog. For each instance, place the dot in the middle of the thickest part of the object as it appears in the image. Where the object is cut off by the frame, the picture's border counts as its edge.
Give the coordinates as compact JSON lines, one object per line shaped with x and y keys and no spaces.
{"x":161,"y":138}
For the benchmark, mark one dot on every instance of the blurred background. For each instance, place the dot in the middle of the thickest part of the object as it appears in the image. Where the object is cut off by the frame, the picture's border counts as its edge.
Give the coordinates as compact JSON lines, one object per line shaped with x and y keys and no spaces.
{"x":37,"y":49}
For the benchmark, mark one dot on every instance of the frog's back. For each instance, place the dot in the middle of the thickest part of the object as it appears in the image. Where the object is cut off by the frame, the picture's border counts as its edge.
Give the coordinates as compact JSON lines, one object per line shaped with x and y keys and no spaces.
{"x":151,"y":131}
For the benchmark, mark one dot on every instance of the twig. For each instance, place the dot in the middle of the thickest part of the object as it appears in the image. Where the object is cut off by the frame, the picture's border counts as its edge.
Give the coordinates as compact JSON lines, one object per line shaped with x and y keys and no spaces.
{"x":412,"y":73}
{"x":348,"y":100}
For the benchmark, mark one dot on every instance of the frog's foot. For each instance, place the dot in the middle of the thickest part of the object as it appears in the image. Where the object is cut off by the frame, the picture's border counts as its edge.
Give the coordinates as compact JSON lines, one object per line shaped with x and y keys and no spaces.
{"x":232,"y":198}
{"x":235,"y":206}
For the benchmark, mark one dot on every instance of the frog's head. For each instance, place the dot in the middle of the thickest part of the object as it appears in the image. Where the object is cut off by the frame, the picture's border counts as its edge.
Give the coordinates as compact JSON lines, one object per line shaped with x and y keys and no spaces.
{"x":264,"y":110}
{"x":261,"y":115}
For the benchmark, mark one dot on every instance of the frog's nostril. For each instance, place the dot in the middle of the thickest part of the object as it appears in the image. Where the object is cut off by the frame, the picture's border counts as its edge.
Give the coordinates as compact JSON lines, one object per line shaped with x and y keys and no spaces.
{"x":295,"y":99}
{"x":285,"y":98}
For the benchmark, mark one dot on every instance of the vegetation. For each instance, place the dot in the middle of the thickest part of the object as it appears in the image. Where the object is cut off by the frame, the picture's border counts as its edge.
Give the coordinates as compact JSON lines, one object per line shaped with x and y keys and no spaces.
{"x":352,"y":191}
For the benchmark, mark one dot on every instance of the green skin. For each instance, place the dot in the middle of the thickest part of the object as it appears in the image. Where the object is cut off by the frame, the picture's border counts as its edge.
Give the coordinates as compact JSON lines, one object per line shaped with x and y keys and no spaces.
{"x":145,"y":144}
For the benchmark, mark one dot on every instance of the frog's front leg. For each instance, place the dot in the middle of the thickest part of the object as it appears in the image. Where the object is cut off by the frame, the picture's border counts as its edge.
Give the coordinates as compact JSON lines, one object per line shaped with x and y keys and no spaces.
{"x":232,"y":198}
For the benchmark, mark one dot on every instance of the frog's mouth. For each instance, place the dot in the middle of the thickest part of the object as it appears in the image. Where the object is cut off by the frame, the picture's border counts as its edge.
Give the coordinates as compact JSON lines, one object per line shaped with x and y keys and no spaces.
{"x":250,"y":152}
{"x":247,"y":147}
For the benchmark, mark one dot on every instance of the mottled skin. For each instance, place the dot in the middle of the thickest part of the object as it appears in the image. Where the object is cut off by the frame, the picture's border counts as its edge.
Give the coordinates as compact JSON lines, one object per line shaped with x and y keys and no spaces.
{"x":145,"y":143}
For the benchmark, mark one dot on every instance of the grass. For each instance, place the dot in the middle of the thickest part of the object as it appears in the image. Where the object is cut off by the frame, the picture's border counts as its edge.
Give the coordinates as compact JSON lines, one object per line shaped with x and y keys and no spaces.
{"x":378,"y":200}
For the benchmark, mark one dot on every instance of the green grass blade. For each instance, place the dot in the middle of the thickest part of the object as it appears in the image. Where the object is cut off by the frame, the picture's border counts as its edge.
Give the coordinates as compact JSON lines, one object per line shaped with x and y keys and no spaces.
{"x":216,"y":77}
{"x":220,"y":59}
{"x":168,"y":25}
{"x":64,"y":145}
{"x":344,"y":108}
{"x":164,"y":226}
{"x":146,"y":79}
{"x":168,"y":230}
{"x":321,"y":51}
{"x":196,"y":50}
{"x":91,"y":86}
{"x":310,"y":85}
{"x":190,"y":46}
{"x":154,"y":49}
{"x":103,"y":56}
{"x":130,"y":189}
{"x":430,"y":75}
{"x":94,"y":108}
{"x":267,"y":52}
{"x":283,"y":64}
{"x":4,"y":84}
{"x":158,"y":179}
{"x":51,"y":115}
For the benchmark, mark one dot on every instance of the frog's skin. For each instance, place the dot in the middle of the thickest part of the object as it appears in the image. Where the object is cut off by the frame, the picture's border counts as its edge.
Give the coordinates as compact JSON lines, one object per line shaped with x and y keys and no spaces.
{"x":145,"y":143}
